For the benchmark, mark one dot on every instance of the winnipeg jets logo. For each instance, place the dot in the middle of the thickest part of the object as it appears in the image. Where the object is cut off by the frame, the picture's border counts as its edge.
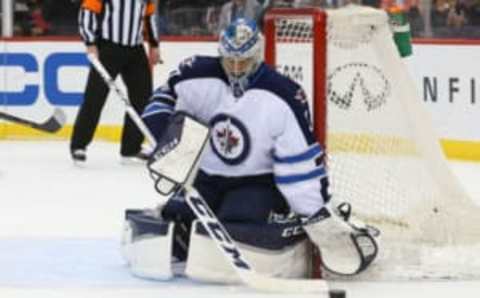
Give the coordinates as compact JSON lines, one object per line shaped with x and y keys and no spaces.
{"x":230,"y":140}
{"x":227,"y":140}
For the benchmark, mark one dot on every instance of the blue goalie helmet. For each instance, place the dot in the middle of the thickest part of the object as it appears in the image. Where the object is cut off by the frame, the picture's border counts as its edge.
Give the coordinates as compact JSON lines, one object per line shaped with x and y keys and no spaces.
{"x":241,"y":51}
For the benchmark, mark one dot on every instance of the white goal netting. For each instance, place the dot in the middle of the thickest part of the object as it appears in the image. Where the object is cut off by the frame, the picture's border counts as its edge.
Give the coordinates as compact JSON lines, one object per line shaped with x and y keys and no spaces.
{"x":383,"y":155}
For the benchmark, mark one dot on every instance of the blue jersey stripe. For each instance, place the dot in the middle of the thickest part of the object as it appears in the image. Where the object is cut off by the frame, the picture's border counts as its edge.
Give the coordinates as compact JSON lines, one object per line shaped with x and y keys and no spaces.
{"x":311,"y":153}
{"x":164,"y":97}
{"x":145,"y":115}
{"x":288,"y":179}
{"x":155,"y":108}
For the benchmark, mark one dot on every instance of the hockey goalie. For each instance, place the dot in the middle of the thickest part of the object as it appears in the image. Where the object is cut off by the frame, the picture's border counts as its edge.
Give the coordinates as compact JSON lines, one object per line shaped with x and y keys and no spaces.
{"x":260,"y":170}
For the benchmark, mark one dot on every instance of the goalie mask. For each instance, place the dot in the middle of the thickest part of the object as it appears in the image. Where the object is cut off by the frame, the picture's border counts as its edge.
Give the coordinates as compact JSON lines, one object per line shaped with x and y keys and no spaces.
{"x":241,"y":52}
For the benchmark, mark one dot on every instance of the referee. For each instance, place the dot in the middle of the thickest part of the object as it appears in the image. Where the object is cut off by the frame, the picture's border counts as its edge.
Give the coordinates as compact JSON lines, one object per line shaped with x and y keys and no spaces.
{"x":113,"y":30}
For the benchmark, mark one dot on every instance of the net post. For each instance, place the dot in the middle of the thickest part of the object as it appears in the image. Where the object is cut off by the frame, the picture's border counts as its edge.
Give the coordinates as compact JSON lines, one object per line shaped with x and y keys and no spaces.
{"x":319,"y":92}
{"x":320,"y":75}
{"x":270,"y":32}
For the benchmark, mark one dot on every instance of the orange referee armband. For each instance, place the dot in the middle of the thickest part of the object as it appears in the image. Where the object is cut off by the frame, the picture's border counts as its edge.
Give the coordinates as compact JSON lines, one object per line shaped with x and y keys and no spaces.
{"x":93,"y":5}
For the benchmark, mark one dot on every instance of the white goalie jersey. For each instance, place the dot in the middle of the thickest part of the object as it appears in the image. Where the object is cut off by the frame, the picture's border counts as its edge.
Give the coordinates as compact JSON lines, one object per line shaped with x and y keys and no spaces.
{"x":266,"y":130}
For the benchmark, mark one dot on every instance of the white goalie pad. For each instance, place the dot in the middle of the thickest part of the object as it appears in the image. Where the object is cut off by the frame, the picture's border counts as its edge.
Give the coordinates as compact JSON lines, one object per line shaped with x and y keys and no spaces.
{"x":148,"y":255}
{"x":178,"y":152}
{"x":206,"y":263}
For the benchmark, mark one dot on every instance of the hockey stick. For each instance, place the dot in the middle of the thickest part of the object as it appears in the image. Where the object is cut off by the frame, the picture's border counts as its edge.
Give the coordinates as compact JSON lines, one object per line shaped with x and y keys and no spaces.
{"x":244,"y":270}
{"x":51,"y":125}
{"x":128,"y":106}
{"x":217,"y":231}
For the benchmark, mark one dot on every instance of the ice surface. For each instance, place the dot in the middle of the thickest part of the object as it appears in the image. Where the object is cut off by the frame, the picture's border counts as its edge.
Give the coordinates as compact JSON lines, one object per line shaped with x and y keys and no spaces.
{"x":60,"y":228}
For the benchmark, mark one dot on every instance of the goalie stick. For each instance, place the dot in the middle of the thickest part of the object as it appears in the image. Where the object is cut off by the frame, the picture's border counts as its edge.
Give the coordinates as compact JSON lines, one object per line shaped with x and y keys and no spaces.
{"x":53,"y":124}
{"x":235,"y":258}
{"x":128,"y":106}
{"x":217,"y":231}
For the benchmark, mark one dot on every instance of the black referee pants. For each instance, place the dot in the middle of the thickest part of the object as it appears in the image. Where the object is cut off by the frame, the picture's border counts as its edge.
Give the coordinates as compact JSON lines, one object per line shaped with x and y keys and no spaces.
{"x":132,"y":65}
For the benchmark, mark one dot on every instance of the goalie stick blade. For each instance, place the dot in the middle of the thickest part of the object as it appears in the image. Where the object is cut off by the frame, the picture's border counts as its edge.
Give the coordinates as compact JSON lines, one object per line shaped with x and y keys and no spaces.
{"x":53,"y":124}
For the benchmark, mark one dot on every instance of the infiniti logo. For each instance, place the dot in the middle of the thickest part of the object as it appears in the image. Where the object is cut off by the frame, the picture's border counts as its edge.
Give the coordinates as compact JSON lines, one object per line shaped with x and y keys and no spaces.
{"x":346,"y":80}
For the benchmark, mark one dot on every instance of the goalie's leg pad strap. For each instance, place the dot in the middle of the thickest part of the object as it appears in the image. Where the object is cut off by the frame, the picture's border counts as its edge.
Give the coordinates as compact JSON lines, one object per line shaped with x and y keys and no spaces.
{"x":147,"y":245}
{"x":268,"y":248}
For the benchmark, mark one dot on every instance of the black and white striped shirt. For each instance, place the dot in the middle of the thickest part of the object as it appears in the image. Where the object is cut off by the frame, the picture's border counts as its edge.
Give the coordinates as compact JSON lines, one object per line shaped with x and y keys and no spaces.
{"x":118,"y":21}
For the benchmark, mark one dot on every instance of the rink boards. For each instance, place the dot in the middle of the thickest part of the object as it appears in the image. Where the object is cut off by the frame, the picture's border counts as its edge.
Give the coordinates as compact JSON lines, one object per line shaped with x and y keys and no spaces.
{"x":37,"y":75}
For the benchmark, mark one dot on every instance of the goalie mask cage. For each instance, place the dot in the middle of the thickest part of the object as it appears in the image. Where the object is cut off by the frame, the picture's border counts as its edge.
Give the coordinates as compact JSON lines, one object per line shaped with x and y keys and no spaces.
{"x":382,"y":153}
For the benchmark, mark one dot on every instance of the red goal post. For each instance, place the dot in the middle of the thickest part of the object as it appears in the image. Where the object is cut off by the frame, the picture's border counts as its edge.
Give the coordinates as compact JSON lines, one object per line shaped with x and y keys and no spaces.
{"x":317,"y":37}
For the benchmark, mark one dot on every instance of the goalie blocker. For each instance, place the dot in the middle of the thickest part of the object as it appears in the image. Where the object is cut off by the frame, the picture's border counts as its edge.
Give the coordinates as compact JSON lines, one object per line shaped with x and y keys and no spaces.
{"x":276,"y":248}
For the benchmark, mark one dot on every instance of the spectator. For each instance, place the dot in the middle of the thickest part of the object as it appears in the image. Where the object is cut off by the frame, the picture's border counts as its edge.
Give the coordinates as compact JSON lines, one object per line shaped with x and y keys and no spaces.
{"x":22,"y":18}
{"x":237,"y":9}
{"x":440,"y":10}
{"x":186,"y":18}
{"x":39,"y":26}
{"x":267,"y":5}
{"x":62,"y":15}
{"x":163,"y":18}
{"x":415,"y":18}
{"x":473,"y":13}
{"x":412,"y":12}
{"x":456,"y":15}
{"x":212,"y":18}
{"x":29,"y":18}
{"x":117,"y":41}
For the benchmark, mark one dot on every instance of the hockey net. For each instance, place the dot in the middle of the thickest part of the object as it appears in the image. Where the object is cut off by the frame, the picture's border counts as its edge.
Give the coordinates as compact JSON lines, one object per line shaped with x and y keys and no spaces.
{"x":383,"y":156}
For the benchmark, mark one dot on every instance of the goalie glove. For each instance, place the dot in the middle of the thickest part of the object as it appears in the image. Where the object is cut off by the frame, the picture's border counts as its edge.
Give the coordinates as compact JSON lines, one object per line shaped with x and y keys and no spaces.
{"x":178,"y":151}
{"x":347,"y":246}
